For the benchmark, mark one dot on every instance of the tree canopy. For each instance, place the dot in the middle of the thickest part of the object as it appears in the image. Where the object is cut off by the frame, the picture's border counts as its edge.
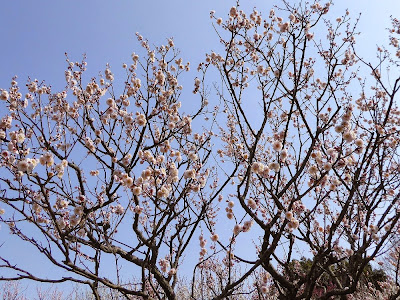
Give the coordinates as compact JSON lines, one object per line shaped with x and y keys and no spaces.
{"x":292,"y":148}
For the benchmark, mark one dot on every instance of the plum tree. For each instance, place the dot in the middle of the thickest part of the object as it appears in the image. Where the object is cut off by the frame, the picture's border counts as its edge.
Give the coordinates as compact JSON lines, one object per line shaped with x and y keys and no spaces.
{"x":295,"y":150}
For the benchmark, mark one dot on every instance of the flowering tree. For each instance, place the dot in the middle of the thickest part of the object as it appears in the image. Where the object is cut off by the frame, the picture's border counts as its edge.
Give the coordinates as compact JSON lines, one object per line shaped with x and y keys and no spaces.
{"x":78,"y":170}
{"x":300,"y":155}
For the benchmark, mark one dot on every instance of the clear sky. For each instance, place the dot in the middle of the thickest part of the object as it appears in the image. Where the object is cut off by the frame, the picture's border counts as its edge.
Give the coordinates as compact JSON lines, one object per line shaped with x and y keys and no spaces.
{"x":36,"y":34}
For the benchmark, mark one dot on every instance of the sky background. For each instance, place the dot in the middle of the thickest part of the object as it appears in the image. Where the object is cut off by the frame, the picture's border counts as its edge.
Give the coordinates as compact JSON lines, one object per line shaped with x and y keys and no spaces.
{"x":36,"y":34}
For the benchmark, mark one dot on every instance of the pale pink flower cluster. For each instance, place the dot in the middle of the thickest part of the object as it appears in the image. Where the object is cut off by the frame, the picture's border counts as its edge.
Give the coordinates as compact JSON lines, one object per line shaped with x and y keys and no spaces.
{"x":332,"y":153}
{"x":129,"y":183}
{"x":247,"y":225}
{"x":164,"y":191}
{"x":313,"y":170}
{"x":252,"y":203}
{"x":137,"y":190}
{"x":119,"y":209}
{"x":147,"y":156}
{"x":283,"y":27}
{"x":75,"y":219}
{"x":190,"y":174}
{"x":160,"y":77}
{"x":277,"y":145}
{"x":293,"y":223}
{"x":349,"y":58}
{"x":4,"y":95}
{"x":233,"y":12}
{"x":229,"y":211}
{"x":90,"y":144}
{"x":197,"y":83}
{"x":47,"y":159}
{"x":214,"y":237}
{"x":141,"y":119}
{"x":16,"y":137}
{"x":243,"y":228}
{"x":6,"y":122}
{"x":164,"y":264}
{"x":275,"y":166}
{"x":373,"y":230}
{"x":346,"y":118}
{"x":32,"y":87}
{"x":263,"y":71}
{"x":59,"y":168}
{"x":62,"y":203}
{"x":94,"y":172}
{"x":203,"y":250}
{"x":260,"y":169}
{"x":318,"y":7}
{"x":349,"y":136}
{"x":173,"y":172}
{"x":172,"y":271}
{"x":109,"y":75}
{"x":264,"y":286}
{"x":27,"y":165}
{"x":138,"y":209}
{"x":237,"y":229}
{"x":309,"y":36}
{"x":126,"y":180}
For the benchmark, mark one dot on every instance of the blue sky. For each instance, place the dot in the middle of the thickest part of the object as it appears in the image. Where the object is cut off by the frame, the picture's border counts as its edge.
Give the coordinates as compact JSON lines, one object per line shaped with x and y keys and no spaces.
{"x":36,"y":34}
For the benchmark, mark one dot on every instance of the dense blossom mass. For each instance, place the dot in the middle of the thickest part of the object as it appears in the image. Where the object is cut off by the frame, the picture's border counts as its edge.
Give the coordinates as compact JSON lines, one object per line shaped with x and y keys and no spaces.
{"x":295,"y":155}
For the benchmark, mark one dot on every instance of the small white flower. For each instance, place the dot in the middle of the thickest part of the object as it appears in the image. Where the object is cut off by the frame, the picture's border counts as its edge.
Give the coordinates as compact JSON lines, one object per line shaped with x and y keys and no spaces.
{"x":349,"y":136}
{"x":257,"y":167}
{"x":277,"y":146}
{"x":359,"y":143}
{"x":137,"y":190}
{"x":4,"y":95}
{"x":214,"y":237}
{"x":313,"y":170}
{"x":119,"y":210}
{"x":274,"y":166}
